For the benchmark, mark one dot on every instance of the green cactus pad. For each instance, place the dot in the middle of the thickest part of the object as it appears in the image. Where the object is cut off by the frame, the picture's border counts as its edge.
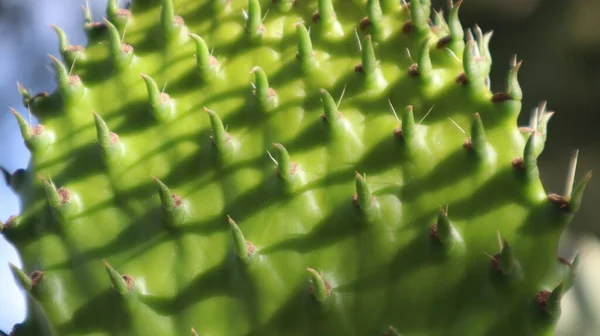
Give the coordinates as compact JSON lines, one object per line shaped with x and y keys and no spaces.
{"x":283,"y":167}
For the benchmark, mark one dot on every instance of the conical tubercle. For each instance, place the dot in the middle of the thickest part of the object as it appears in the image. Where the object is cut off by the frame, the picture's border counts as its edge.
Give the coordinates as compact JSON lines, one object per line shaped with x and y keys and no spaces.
{"x":242,"y":247}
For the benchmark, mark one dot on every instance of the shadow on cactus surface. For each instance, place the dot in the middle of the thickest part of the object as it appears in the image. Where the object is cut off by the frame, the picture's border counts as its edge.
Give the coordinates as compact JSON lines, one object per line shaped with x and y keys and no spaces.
{"x":286,"y":167}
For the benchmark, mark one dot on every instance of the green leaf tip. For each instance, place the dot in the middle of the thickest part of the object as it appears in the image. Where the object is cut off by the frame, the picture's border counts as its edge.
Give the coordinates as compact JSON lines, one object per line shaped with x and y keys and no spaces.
{"x":69,"y":86}
{"x":506,"y":259}
{"x":526,"y":165}
{"x":284,"y":6}
{"x":206,"y":64}
{"x":121,"y":53}
{"x":254,"y":27}
{"x":570,"y":202}
{"x":123,"y":284}
{"x":549,"y":302}
{"x":243,"y":248}
{"x":419,"y":12}
{"x":12,"y":223}
{"x":117,"y":16}
{"x":70,"y":53}
{"x":37,"y":139}
{"x":162,"y":107}
{"x":220,"y":137}
{"x":423,"y":68}
{"x":369,"y":67}
{"x":63,"y":202}
{"x":408,"y":125}
{"x":305,"y":48}
{"x":173,"y":205}
{"x":267,"y":96}
{"x":442,"y":229}
{"x":331,"y":114}
{"x":25,"y":95}
{"x":372,"y":22}
{"x":363,"y":198}
{"x":513,"y":87}
{"x":173,"y":26}
{"x":286,"y":169}
{"x":477,"y":142}
{"x":111,"y":145}
{"x":318,"y":287}
{"x":27,"y":282}
{"x":168,"y":200}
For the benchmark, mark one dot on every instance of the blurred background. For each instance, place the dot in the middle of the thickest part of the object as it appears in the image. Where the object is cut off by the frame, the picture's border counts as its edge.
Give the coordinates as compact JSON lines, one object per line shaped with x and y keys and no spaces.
{"x":559,"y":42}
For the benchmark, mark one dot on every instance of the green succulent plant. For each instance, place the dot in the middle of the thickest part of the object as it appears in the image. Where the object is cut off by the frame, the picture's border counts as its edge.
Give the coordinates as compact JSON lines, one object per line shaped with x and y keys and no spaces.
{"x":283,"y":167}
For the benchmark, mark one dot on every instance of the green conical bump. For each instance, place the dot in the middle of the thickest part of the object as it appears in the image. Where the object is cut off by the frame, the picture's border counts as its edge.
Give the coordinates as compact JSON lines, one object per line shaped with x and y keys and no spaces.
{"x":284,"y":6}
{"x":549,"y":301}
{"x":372,"y":23}
{"x":70,"y":86}
{"x":117,"y":16}
{"x":305,"y":49}
{"x":408,"y":125}
{"x":36,"y":139}
{"x":220,"y":137}
{"x":121,"y":53}
{"x":443,"y":228}
{"x":507,"y":261}
{"x":119,"y":282}
{"x":243,"y":248}
{"x":25,"y":94}
{"x":331,"y":113}
{"x":318,"y":287}
{"x":173,"y":26}
{"x":425,"y":69}
{"x":477,"y":142}
{"x":326,"y":18}
{"x":369,"y":67}
{"x":112,"y":147}
{"x":255,"y":133}
{"x":206,"y":64}
{"x":266,"y":95}
{"x":254,"y":27}
{"x":419,"y":16}
{"x":161,"y":105}
{"x":364,"y":198}
{"x":70,"y":53}
{"x":24,"y":280}
{"x":173,"y":205}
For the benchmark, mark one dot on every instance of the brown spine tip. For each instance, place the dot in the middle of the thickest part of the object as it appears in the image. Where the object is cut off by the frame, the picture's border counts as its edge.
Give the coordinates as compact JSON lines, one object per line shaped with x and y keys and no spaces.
{"x":408,"y":27}
{"x":126,"y":48}
{"x":433,"y":232}
{"x":129,"y":281}
{"x":496,"y":262}
{"x":64,"y":194}
{"x":398,"y":132}
{"x":468,"y":145}
{"x":364,"y":23}
{"x":177,"y":199}
{"x":443,"y":42}
{"x":36,"y":277}
{"x":178,"y":20}
{"x":560,"y":201}
{"x":542,"y":299}
{"x":518,"y":164}
{"x":358,"y":68}
{"x":501,"y":97}
{"x":462,"y":79}
{"x":413,"y":70}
